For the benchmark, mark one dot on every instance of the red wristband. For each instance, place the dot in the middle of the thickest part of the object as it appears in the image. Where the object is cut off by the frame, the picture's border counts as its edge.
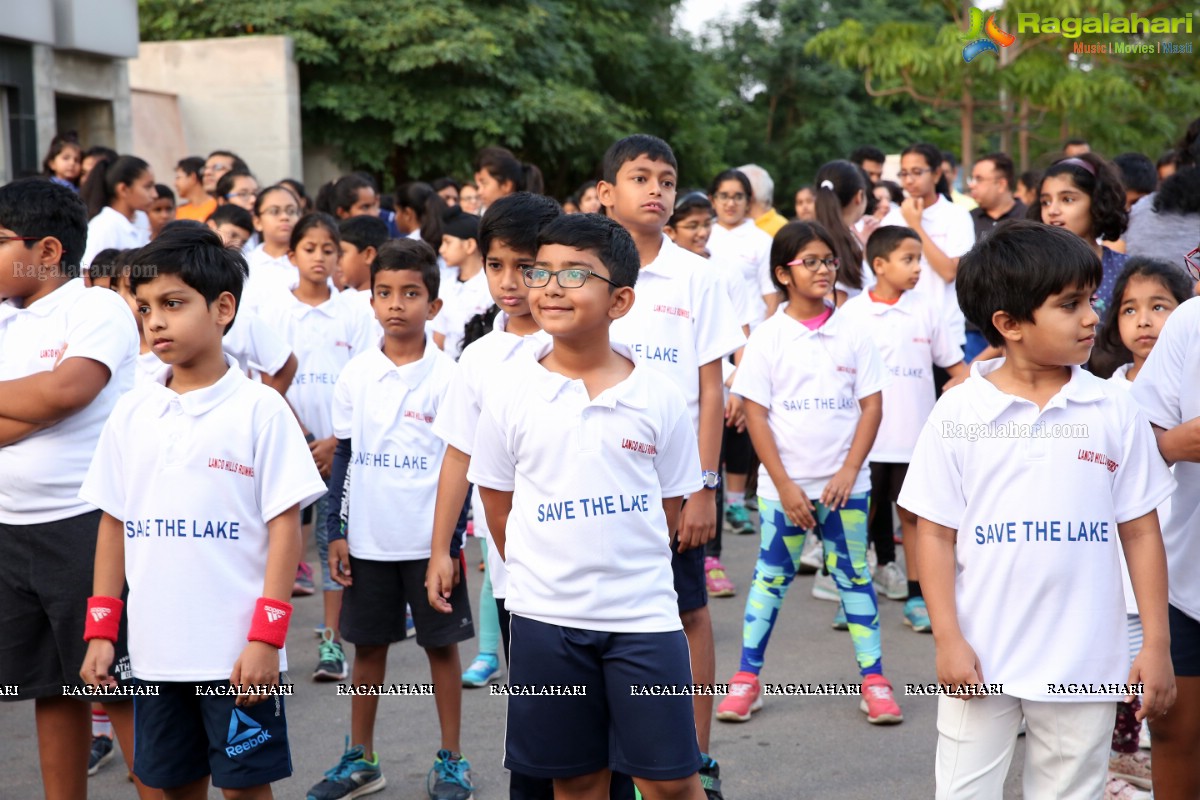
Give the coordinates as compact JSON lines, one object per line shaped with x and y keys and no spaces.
{"x":103,"y":618}
{"x":270,"y":622}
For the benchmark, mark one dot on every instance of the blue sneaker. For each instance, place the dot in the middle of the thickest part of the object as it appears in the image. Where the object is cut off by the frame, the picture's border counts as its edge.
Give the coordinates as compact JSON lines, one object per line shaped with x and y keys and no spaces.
{"x":352,"y":776}
{"x":916,"y":616}
{"x":710,"y":777}
{"x":450,"y":778}
{"x":840,"y":623}
{"x":483,"y":670}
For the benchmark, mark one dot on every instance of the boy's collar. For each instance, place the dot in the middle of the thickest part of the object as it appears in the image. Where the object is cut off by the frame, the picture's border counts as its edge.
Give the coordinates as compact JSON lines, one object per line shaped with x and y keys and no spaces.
{"x":628,"y":392}
{"x":990,"y":401}
{"x":200,"y":401}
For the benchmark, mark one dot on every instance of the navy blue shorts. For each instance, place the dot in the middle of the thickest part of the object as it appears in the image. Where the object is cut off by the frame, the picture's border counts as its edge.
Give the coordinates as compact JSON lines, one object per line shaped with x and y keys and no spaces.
{"x":1185,"y":643}
{"x":180,"y":737}
{"x":688,"y":568}
{"x":616,"y":725}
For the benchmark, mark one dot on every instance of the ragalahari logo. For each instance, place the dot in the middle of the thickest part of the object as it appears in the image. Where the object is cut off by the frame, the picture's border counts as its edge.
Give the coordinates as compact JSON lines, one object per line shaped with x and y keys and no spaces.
{"x":983,"y":38}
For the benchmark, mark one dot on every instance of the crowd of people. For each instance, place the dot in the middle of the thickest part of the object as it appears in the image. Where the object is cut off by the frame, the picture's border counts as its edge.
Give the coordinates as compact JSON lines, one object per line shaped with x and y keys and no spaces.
{"x":197,"y":382}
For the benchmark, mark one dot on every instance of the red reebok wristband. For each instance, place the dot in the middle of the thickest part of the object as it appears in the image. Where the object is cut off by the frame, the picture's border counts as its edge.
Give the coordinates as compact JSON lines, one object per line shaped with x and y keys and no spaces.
{"x":270,"y":622}
{"x":103,"y":618}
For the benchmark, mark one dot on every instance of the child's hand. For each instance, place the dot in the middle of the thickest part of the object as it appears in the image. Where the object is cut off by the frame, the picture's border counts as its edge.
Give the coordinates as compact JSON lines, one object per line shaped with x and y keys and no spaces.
{"x":957,"y":665}
{"x":796,"y":506}
{"x":697,"y":521}
{"x":440,"y":577}
{"x":96,"y":663}
{"x":1152,"y":668}
{"x":911,"y":209}
{"x":838,"y":490}
{"x":258,"y":665}
{"x":869,"y":224}
{"x":322,"y":453}
{"x":339,"y":562}
{"x":735,"y":413}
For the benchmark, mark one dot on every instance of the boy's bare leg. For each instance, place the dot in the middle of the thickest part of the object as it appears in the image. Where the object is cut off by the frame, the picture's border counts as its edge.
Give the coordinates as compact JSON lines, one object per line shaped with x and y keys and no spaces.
{"x":445,"y":669}
{"x":121,"y":716}
{"x":253,"y":793}
{"x":64,"y":728}
{"x":593,"y":786}
{"x":370,"y":665}
{"x":1176,"y":739}
{"x":697,"y":626}
{"x":682,"y":789}
{"x":196,"y":790}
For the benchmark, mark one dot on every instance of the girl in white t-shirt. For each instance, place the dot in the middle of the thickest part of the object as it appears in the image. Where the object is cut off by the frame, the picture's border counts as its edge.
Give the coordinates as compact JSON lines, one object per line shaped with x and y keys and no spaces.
{"x":841,"y":203}
{"x":118,"y":193}
{"x":272,"y":274}
{"x":812,"y":386}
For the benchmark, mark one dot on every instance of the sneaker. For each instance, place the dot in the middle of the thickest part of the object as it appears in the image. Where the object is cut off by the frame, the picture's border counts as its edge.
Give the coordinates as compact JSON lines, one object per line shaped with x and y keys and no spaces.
{"x":840,"y":623}
{"x":331,"y":660}
{"x":1117,"y":789}
{"x":102,"y":753}
{"x":1144,"y":736}
{"x":744,"y":698}
{"x":715,"y":579}
{"x":1131,"y":767}
{"x":450,"y":778}
{"x":879,"y":703}
{"x":812,"y":557}
{"x":710,"y":778}
{"x":738,"y":519}
{"x":891,"y":582}
{"x":303,"y":586}
{"x":352,"y":776}
{"x":916,"y":616}
{"x":825,"y":588}
{"x":483,"y":670}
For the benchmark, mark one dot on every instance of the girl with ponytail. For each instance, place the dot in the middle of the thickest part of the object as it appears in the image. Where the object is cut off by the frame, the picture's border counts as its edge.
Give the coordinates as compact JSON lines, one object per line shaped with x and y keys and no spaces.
{"x":117,"y":193}
{"x":499,"y":173}
{"x":841,"y":191}
{"x":419,"y":211}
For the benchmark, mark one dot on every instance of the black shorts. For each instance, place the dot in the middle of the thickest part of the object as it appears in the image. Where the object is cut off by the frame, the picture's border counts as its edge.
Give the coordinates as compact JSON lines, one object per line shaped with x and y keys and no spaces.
{"x":180,"y":737}
{"x":45,"y":581}
{"x":373,"y":605}
{"x":1185,"y":643}
{"x":688,"y":569}
{"x":887,"y":478}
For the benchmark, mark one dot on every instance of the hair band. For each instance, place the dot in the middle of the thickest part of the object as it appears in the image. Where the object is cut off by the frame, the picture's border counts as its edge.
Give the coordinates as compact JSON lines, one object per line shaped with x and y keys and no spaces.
{"x":827,"y":184}
{"x":1079,"y":162}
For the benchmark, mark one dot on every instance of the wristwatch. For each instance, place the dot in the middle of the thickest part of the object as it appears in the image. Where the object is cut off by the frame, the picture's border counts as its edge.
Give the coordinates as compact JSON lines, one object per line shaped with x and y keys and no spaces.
{"x":711,"y":479}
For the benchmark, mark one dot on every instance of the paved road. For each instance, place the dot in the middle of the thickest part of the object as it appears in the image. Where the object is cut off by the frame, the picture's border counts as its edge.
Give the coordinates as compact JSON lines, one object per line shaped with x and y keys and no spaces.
{"x":795,"y":748}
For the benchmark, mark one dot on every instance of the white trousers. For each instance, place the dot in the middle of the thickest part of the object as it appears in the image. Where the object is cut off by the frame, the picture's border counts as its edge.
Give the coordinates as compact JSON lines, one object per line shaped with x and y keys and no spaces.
{"x":1066,"y":747}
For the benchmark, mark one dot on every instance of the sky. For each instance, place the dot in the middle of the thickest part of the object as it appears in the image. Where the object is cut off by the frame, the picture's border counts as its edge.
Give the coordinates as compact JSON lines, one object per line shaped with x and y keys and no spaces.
{"x":694,"y":15}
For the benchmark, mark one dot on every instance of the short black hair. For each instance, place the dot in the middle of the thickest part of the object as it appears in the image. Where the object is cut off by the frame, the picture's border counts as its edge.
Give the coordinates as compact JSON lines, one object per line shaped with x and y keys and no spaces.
{"x":603,"y":237}
{"x":164,"y":192}
{"x":1171,"y":277}
{"x":101,"y":152}
{"x":1075,"y":143}
{"x":1003,"y":164}
{"x":39,"y":207}
{"x":948,"y":158}
{"x":629,"y":148}
{"x":516,"y":220}
{"x":192,"y":165}
{"x":867,"y":153}
{"x":225,"y":182}
{"x":885,"y":240}
{"x":1016,"y":268}
{"x":363,"y":231}
{"x":1031,"y":178}
{"x":316,"y":219}
{"x":238,"y":163}
{"x":414,"y":254}
{"x":232,"y":215}
{"x":686,"y":203}
{"x":198,"y":256}
{"x":1138,"y":172}
{"x":105,"y":263}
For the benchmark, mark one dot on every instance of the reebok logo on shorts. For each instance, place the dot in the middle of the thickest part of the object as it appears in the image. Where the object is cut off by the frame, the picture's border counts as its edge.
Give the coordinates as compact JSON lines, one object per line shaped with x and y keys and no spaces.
{"x":273,"y":614}
{"x":249,"y":737}
{"x":100,"y":613}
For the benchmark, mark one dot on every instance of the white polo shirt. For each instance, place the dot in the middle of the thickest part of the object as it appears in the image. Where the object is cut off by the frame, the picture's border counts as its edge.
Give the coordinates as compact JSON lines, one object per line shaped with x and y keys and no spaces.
{"x":587,"y":544}
{"x":747,"y":250}
{"x":461,"y":301}
{"x":681,"y":319}
{"x":1038,"y":578}
{"x":951,"y":228}
{"x":811,"y":383}
{"x":387,"y":412}
{"x":324,"y":338}
{"x":1166,"y":390}
{"x":271,"y":277}
{"x":111,"y":228}
{"x":484,"y":367}
{"x":911,"y":337}
{"x":40,"y":475}
{"x":194,"y":479}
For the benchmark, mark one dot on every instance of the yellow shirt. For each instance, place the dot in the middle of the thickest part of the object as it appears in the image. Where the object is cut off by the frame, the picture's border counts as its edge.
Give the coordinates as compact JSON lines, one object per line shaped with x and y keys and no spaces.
{"x":771,"y":222}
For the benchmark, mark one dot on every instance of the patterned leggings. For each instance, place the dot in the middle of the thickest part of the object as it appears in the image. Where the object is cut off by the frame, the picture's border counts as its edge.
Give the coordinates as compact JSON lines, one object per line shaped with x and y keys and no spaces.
{"x":844,"y":534}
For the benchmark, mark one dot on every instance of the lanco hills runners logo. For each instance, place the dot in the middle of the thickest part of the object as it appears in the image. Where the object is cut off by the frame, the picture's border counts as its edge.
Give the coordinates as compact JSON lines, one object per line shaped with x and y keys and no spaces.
{"x":984,"y":38}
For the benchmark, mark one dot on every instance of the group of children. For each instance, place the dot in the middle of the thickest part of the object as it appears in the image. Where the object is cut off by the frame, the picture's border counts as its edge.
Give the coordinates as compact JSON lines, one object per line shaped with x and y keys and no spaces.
{"x":589,"y":410}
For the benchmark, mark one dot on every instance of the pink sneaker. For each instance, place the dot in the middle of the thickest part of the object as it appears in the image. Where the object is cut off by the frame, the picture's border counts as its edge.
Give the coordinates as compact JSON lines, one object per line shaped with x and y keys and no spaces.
{"x":303,"y":587}
{"x":878,"y":702}
{"x":744,"y":698}
{"x":1131,"y":767}
{"x":1117,"y":789}
{"x":715,"y":579}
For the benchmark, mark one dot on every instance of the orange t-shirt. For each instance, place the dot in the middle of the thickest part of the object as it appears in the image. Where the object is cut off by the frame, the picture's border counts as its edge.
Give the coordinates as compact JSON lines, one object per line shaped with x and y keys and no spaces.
{"x":200,"y":213}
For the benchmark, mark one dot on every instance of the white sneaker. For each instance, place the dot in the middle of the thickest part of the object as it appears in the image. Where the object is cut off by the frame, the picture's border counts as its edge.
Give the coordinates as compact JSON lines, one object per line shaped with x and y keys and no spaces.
{"x":813,"y":554}
{"x":825,"y":588}
{"x":891,"y":582}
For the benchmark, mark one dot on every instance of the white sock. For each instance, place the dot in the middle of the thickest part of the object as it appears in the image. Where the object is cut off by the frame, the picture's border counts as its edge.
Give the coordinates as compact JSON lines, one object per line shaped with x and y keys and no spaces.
{"x":101,"y":725}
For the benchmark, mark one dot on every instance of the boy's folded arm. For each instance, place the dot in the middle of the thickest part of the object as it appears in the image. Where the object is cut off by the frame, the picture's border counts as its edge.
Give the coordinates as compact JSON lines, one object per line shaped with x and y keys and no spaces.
{"x":1181,"y":443}
{"x":14,"y":430}
{"x":51,"y":396}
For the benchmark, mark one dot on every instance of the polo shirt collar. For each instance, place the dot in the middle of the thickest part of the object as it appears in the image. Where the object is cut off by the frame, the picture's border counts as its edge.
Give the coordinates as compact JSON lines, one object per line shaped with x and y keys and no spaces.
{"x":798,"y":330}
{"x":990,"y":402}
{"x":410,"y":374}
{"x":198,"y":401}
{"x":904,"y":304}
{"x":512,"y":341}
{"x":632,"y":392}
{"x":666,"y":262}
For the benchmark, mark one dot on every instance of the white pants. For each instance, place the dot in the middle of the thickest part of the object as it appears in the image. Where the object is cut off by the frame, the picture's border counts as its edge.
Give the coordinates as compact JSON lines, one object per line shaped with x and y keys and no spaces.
{"x":1066,"y":747}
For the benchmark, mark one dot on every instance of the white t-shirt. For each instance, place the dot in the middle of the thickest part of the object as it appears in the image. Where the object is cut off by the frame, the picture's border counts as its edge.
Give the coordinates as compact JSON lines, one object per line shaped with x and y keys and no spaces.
{"x":911,"y":337}
{"x":111,"y":228}
{"x":587,"y":544}
{"x":387,"y":412}
{"x":951,"y":228}
{"x":1038,"y":578}
{"x":484,"y":367}
{"x":195,"y":478}
{"x":40,"y":475}
{"x":747,"y":249}
{"x":681,"y":320}
{"x":324,"y":339}
{"x":811,"y":383}
{"x":461,"y":301}
{"x":270,"y":278}
{"x":1166,"y":389}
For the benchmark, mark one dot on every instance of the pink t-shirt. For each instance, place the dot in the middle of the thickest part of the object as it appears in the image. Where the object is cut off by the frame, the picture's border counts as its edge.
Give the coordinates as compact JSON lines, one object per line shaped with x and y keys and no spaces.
{"x":818,"y":321}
